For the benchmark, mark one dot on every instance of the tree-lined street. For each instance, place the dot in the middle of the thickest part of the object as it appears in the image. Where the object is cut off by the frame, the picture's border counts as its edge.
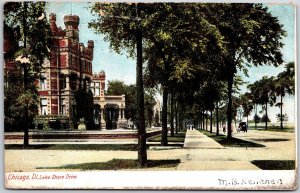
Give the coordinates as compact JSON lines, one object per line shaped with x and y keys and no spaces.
{"x":195,"y":56}
{"x":202,"y":44}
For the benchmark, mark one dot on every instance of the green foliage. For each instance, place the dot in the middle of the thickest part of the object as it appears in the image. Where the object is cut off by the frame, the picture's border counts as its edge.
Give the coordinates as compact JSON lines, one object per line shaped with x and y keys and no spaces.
{"x":251,"y":36}
{"x":251,"y":33}
{"x":149,"y":105}
{"x":45,"y":125}
{"x":262,"y":91}
{"x":24,"y":22}
{"x":256,"y":118}
{"x":130,"y":102}
{"x":284,"y":84}
{"x":171,"y":56}
{"x":191,"y":42}
{"x":28,"y":20}
{"x":283,"y":119}
{"x":118,"y":164}
{"x":12,"y":89}
{"x":285,"y":81}
{"x":117,"y":87}
{"x":264,"y":118}
{"x":246,"y":103}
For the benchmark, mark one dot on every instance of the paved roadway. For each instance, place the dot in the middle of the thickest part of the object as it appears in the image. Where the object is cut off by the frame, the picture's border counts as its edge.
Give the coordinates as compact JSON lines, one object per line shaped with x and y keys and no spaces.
{"x":199,"y":153}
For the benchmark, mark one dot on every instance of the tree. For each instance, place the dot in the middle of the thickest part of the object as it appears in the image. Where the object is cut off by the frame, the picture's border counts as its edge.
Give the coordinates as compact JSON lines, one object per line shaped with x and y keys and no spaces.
{"x":116,"y":87}
{"x":265,"y":118}
{"x":262,"y":93}
{"x":130,"y":102}
{"x":285,"y":83}
{"x":256,"y":119}
{"x":149,"y":106}
{"x":281,"y":118}
{"x":172,"y":57}
{"x":31,"y":30}
{"x":255,"y":97}
{"x":156,"y":118}
{"x":251,"y":35}
{"x":121,"y":24}
{"x":246,"y":104}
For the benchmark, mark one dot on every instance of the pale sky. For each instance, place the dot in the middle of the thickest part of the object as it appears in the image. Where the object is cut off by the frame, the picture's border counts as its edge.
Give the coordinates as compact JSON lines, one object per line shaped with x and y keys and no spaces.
{"x":122,"y":68}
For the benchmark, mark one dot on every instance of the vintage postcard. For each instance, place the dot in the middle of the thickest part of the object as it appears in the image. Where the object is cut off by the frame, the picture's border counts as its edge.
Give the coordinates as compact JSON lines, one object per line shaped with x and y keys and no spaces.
{"x":153,"y":95}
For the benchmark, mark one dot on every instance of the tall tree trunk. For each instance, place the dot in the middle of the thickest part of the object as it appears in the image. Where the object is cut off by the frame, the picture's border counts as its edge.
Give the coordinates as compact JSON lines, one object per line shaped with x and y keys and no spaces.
{"x":266,"y":115}
{"x":211,"y":124}
{"x":206,"y":121}
{"x":172,"y":114}
{"x":26,"y":129}
{"x":255,"y":122}
{"x":281,"y":121}
{"x":176,"y":117}
{"x":200,"y":120}
{"x":164,"y":135}
{"x":142,"y":150}
{"x":217,"y":117}
{"x":234,"y":122}
{"x":180,"y":119}
{"x":180,"y":108}
{"x":203,"y":120}
{"x":229,"y":107}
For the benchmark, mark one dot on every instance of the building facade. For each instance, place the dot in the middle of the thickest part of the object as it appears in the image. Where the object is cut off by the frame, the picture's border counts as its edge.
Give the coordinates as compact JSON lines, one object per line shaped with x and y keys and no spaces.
{"x":68,"y":89}
{"x":109,"y":111}
{"x":68,"y":70}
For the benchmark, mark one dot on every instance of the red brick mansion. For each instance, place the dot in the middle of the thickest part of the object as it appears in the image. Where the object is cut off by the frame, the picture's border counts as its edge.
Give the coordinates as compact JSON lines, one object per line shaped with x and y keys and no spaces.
{"x":67,"y":84}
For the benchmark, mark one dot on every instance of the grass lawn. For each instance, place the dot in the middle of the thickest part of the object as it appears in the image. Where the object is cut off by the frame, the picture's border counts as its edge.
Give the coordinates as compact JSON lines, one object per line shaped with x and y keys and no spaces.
{"x":274,"y":164}
{"x":117,"y":164}
{"x":233,"y":142}
{"x":273,"y":128}
{"x":122,"y":147}
{"x":177,"y":138}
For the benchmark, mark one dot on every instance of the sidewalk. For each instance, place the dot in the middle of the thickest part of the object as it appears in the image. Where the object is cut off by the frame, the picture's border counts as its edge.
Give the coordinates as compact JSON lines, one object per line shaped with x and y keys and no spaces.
{"x":194,"y":140}
{"x":204,"y":153}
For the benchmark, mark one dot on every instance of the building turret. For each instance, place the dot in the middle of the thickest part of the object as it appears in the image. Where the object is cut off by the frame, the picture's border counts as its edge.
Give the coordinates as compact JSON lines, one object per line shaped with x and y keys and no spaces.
{"x":91,"y":47}
{"x":71,"y":23}
{"x":91,"y":44}
{"x":52,"y":19}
